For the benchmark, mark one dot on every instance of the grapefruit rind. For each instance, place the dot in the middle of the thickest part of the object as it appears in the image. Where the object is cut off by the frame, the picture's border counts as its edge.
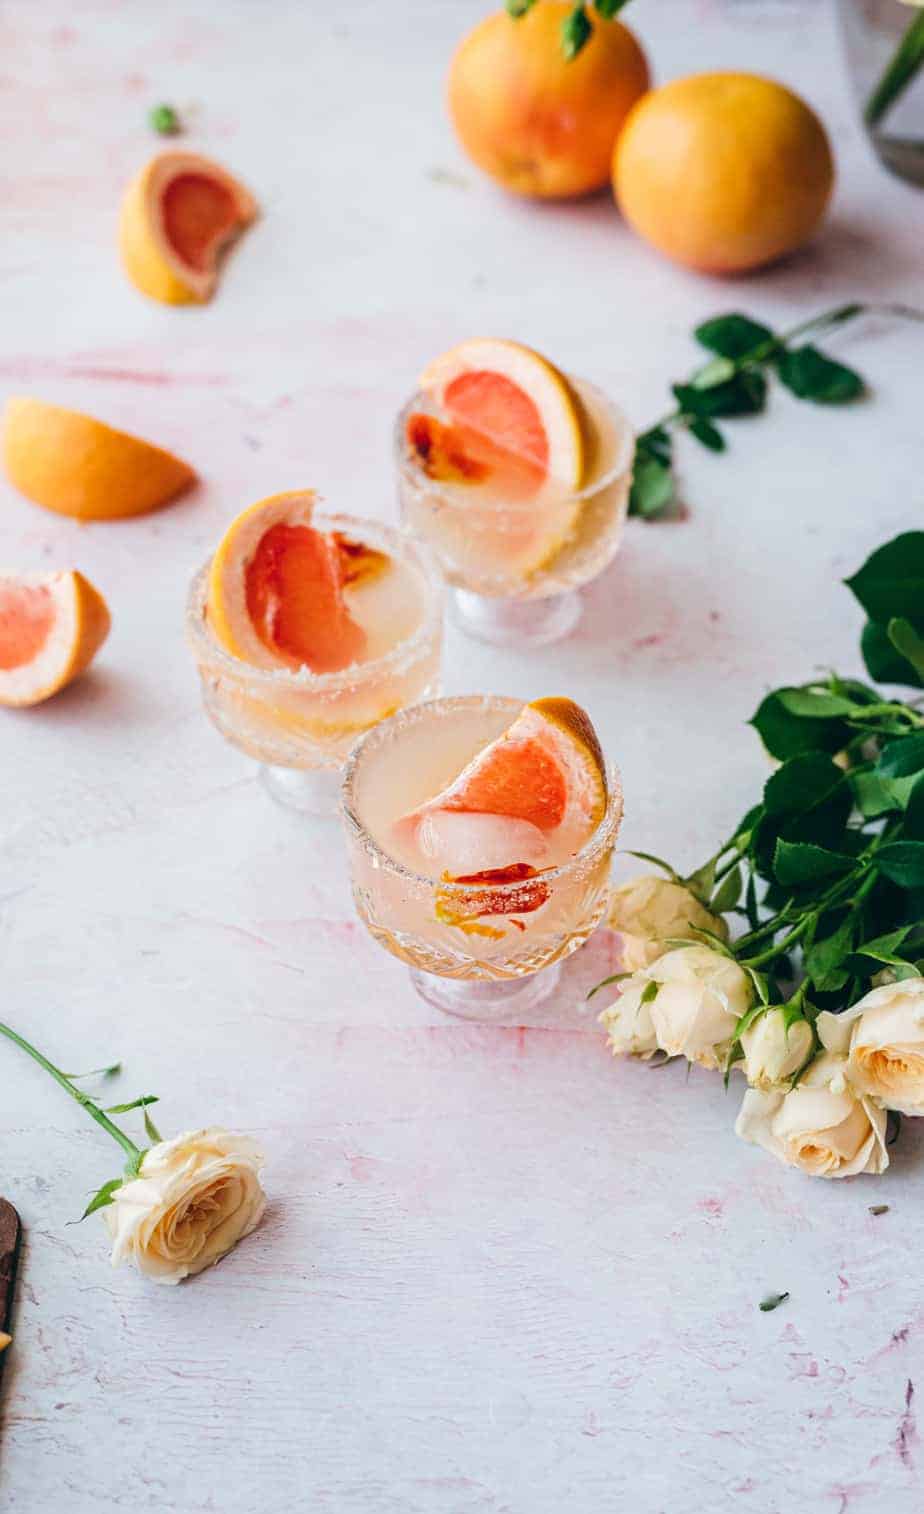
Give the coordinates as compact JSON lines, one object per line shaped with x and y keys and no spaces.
{"x":75,"y":465}
{"x":148,"y":255}
{"x":75,"y":628}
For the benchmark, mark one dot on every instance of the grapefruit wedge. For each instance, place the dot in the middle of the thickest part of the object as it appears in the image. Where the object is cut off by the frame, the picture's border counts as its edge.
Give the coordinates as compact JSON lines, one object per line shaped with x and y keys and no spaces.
{"x":178,"y":217}
{"x":276,"y":588}
{"x":51,"y":627}
{"x":509,"y":428}
{"x":78,"y":466}
{"x":532,"y":798}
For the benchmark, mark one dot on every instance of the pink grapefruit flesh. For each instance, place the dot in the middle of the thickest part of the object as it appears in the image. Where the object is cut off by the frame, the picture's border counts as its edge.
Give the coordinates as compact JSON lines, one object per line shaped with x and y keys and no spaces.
{"x":27,"y":614}
{"x":295,"y":600}
{"x":199,"y":213}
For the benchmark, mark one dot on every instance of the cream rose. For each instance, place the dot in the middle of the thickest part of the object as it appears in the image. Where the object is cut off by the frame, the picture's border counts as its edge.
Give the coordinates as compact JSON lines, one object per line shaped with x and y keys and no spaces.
{"x":628,"y":1023}
{"x":773,"y":1053}
{"x":687,"y":1003}
{"x":194,"y":1199}
{"x":649,"y":911}
{"x":882,"y":1038}
{"x":822,"y":1126}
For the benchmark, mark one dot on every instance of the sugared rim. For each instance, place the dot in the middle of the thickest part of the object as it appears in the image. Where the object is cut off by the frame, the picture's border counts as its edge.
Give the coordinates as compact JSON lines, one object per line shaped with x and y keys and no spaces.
{"x":409,"y":469}
{"x":602,"y":836}
{"x":398,"y":543}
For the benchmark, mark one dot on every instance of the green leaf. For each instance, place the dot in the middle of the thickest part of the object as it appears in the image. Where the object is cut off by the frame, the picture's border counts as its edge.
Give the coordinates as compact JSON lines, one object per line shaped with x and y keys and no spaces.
{"x":609,"y":8}
{"x":803,"y":862}
{"x":891,"y":581}
{"x":145,"y":1099}
{"x":605,"y":983}
{"x":913,"y":827}
{"x":728,"y":892}
{"x":658,"y":862}
{"x":708,"y":434}
{"x":575,"y":31}
{"x":164,"y":120}
{"x":759,"y":981}
{"x":657,"y":442}
{"x":823,"y":964}
{"x":903,"y":862}
{"x":133,"y":1164}
{"x":875,"y":795}
{"x":96,"y":1072}
{"x":806,"y":800}
{"x":650,"y":992}
{"x":733,"y":336}
{"x":518,"y":8}
{"x":884,"y":948}
{"x":883,"y":662}
{"x":744,"y":394}
{"x":718,"y":371}
{"x":802,"y":783}
{"x":816,"y":704}
{"x":786,"y":735}
{"x":102,"y":1197}
{"x":906,"y":640}
{"x":151,"y":1130}
{"x":812,"y":376}
{"x":900,"y":758}
{"x":901,"y":68}
{"x":652,"y":492}
{"x":771,"y":1302}
{"x":702,"y":881}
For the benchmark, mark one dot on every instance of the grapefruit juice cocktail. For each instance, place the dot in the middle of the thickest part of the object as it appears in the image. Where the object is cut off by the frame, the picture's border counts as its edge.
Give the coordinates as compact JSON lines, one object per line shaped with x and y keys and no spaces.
{"x":308,"y":629}
{"x":480,"y":832}
{"x":518,"y":478}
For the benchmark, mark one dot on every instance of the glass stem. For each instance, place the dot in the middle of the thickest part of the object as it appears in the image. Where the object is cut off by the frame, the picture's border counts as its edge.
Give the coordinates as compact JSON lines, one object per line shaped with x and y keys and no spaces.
{"x":93,"y":1110}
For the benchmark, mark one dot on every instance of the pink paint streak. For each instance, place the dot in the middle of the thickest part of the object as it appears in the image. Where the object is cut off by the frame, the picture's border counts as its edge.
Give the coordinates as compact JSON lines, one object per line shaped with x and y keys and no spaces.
{"x":28,"y":369}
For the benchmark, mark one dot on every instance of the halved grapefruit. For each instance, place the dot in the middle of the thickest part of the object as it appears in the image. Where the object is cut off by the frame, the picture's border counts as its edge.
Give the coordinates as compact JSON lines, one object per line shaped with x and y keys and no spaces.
{"x":79,"y":466}
{"x":178,"y":216}
{"x":276,"y":588}
{"x":51,"y":627}
{"x":508,"y":427}
{"x":532,"y":797}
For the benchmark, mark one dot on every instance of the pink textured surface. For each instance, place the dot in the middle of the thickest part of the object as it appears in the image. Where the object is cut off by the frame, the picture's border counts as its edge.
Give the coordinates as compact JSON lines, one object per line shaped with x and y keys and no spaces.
{"x":500,"y":1274}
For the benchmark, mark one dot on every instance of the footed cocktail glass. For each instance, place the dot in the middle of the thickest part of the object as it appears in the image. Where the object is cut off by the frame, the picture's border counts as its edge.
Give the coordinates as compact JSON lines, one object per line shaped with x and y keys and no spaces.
{"x":478,"y":537}
{"x":299,"y":725}
{"x":480,"y":950}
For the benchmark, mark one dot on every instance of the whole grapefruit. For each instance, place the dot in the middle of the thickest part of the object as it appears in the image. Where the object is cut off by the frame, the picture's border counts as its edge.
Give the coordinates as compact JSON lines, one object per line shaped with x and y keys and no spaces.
{"x":723,"y":172}
{"x":539,"y":124}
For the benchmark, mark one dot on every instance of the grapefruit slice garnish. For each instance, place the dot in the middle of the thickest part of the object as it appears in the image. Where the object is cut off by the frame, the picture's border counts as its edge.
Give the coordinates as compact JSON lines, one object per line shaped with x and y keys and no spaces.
{"x":514,"y":399}
{"x":539,"y":789}
{"x":276,"y":589}
{"x":51,"y":627}
{"x":178,"y":216}
{"x":81,"y":467}
{"x":508,"y":427}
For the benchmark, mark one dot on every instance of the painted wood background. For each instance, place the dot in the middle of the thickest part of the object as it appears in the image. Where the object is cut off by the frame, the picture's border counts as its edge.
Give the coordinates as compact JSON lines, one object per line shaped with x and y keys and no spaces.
{"x":500,"y":1273}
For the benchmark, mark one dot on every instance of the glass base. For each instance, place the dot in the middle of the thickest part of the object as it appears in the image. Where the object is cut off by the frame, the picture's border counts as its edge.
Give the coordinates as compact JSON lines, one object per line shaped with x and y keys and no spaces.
{"x":516,"y":622}
{"x":500,"y":1002}
{"x":313,"y":791}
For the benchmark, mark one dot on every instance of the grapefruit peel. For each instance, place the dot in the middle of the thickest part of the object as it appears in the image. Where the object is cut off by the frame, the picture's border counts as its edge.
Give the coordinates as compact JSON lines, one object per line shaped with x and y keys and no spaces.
{"x":75,"y":465}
